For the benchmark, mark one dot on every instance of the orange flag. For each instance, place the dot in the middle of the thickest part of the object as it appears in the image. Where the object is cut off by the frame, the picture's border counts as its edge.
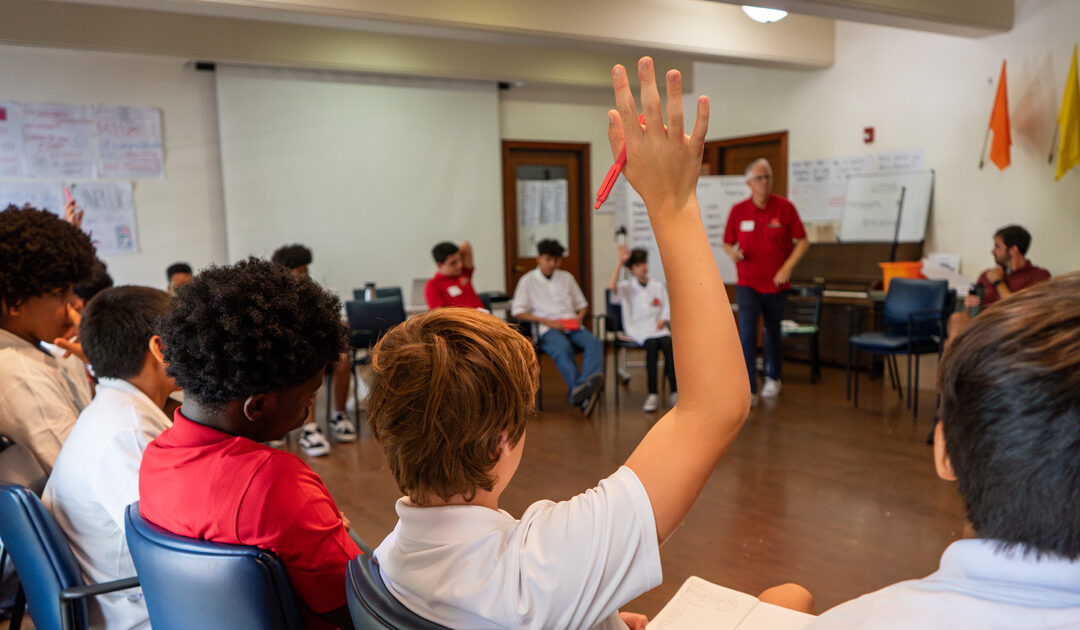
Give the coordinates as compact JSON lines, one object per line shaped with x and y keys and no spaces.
{"x":999,"y":124}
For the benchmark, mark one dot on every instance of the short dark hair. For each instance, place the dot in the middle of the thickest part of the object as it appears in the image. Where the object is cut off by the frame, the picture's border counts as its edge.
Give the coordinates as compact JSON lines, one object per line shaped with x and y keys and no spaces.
{"x":116,"y":328}
{"x":637,"y":256}
{"x":443,"y":250}
{"x":550,"y":247}
{"x":175,"y":268}
{"x":292,"y":256}
{"x":1010,"y":387}
{"x":99,"y":281}
{"x":1015,"y":235}
{"x":250,"y":328}
{"x":39,"y":253}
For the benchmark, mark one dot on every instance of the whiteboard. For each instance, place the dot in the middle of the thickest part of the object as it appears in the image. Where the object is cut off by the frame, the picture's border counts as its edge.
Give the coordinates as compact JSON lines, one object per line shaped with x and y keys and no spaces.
{"x":871,"y":205}
{"x":716,"y":195}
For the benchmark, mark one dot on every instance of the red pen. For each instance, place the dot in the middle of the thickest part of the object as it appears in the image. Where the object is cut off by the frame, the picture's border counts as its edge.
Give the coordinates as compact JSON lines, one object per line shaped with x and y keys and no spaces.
{"x":67,"y":193}
{"x":613,"y":174}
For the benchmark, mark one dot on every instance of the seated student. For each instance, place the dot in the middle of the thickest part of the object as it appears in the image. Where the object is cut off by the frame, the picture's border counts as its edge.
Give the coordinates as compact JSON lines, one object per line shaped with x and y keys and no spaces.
{"x":249,"y":344}
{"x":452,"y":283}
{"x":97,"y":473}
{"x":1011,"y":273}
{"x":646,"y":312}
{"x":552,"y":298}
{"x":454,"y":557}
{"x":178,"y":274}
{"x":1010,"y":437}
{"x":42,"y":258}
{"x":297,"y":258}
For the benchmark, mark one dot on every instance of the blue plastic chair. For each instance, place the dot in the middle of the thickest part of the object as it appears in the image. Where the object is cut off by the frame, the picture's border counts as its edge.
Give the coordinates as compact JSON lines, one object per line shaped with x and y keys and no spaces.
{"x":914,"y":323}
{"x":372,"y":606}
{"x":51,"y":583}
{"x":190,"y":583}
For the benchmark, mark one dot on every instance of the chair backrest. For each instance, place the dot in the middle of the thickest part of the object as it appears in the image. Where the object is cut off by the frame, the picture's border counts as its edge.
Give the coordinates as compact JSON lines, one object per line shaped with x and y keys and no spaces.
{"x":192,"y":583}
{"x":41,"y":555}
{"x":19,"y":467}
{"x":613,"y":315}
{"x":803,"y":305}
{"x":416,"y":295}
{"x":380,"y":292}
{"x":371,"y":319}
{"x":372,"y":606}
{"x":907,"y":296}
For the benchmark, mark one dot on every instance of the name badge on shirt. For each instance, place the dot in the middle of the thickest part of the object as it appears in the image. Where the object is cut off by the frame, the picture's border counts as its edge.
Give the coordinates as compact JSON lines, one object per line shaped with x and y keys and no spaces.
{"x":454,"y":290}
{"x":746,"y":226}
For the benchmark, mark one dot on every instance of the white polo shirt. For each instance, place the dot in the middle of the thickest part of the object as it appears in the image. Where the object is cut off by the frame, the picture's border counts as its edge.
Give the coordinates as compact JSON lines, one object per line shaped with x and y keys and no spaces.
{"x":976,"y":587}
{"x":642,"y":307}
{"x":557,"y":297}
{"x":563,"y":565}
{"x":95,"y":478}
{"x":41,"y":395}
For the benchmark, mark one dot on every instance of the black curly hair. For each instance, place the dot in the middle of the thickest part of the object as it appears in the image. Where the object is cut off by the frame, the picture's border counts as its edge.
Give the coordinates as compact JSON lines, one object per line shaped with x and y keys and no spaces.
{"x":292,"y":256}
{"x":250,"y":328}
{"x":98,"y":282}
{"x":39,"y":253}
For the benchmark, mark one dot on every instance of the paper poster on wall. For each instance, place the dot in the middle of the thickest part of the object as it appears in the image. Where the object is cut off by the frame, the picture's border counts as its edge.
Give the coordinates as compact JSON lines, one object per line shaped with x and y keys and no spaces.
{"x":109,"y":215}
{"x":553,"y":201}
{"x":906,"y":160}
{"x":41,"y":195}
{"x":817,"y":187}
{"x":129,"y":142}
{"x":58,"y":141}
{"x":716,"y":195}
{"x":10,"y":140}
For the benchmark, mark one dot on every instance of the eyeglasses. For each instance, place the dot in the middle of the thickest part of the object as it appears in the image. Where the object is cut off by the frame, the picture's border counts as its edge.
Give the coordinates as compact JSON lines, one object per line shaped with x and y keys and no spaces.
{"x":760,"y":178}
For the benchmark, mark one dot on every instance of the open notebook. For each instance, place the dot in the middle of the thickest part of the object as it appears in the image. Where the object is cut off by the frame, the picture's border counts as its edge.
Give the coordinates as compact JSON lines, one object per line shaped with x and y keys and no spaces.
{"x":702,"y":604}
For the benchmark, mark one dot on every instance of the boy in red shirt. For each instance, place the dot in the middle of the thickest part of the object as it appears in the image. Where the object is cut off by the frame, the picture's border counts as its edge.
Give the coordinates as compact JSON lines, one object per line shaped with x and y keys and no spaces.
{"x":452,"y":283}
{"x":248,"y":343}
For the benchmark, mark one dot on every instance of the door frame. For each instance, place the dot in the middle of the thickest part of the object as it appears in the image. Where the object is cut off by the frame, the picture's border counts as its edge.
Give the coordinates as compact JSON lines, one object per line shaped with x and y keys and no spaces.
{"x":713,"y":154}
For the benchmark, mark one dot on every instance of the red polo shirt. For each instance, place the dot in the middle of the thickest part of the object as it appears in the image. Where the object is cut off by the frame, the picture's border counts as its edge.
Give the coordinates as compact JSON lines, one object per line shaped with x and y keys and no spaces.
{"x":1017,"y":280}
{"x":766,"y":237}
{"x":452,"y":291}
{"x":203,"y":483}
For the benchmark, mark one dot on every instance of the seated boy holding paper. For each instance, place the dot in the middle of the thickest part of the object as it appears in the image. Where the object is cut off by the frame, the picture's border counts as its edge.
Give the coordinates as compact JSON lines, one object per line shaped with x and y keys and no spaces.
{"x":1010,"y":437}
{"x":451,"y":395}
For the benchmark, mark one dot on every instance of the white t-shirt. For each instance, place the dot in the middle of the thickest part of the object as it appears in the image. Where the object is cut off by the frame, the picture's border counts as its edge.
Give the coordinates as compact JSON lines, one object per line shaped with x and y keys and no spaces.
{"x":563,"y":565}
{"x":557,"y":297}
{"x":95,"y":478}
{"x":976,"y":587}
{"x":41,"y":395}
{"x":642,"y":308}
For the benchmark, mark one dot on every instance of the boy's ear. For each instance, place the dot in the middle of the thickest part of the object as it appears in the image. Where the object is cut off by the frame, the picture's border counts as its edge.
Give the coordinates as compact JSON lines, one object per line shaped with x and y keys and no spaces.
{"x":157,"y":348}
{"x":254,"y":407}
{"x":941,"y":459}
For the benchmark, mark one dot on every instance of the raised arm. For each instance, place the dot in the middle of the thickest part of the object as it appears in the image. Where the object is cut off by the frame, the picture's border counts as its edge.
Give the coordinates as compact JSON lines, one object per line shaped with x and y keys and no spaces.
{"x":622,"y":256}
{"x":466,"y":254}
{"x":676,"y":457}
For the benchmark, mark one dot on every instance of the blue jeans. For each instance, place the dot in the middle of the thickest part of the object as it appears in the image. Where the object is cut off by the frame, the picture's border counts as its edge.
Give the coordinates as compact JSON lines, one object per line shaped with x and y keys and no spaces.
{"x":769,"y":306}
{"x":560,"y":346}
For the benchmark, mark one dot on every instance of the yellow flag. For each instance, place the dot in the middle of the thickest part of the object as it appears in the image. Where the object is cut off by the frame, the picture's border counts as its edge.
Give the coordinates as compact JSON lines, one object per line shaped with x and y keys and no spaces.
{"x":1069,"y":123}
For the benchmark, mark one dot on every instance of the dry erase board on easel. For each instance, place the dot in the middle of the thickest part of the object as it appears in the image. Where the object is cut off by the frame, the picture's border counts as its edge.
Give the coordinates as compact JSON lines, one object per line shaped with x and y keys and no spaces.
{"x":871,"y":205}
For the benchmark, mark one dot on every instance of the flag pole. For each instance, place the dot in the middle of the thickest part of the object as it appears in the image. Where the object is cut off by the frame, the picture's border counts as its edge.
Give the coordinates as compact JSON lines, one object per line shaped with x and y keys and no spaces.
{"x":982,"y":154}
{"x":1053,"y":141}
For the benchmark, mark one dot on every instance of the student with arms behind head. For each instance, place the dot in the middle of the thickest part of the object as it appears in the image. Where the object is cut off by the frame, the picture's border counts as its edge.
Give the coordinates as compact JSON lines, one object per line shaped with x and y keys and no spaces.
{"x":453,"y":389}
{"x":452,"y":283}
{"x":42,"y":258}
{"x":97,"y":473}
{"x":249,"y":344}
{"x":178,"y":274}
{"x":1010,"y":437}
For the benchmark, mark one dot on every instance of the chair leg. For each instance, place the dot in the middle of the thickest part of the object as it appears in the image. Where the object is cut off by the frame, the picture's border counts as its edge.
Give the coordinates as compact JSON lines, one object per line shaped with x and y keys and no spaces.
{"x":913,"y":392}
{"x":615,"y":365}
{"x":356,"y":387}
{"x":856,"y":378}
{"x":909,"y":380}
{"x":896,"y":376}
{"x":18,"y":609}
{"x":847,"y":374}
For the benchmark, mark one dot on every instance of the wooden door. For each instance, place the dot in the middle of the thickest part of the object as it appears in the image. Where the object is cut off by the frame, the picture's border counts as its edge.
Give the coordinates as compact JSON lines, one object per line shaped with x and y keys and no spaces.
{"x":731,"y":156}
{"x":545,"y":195}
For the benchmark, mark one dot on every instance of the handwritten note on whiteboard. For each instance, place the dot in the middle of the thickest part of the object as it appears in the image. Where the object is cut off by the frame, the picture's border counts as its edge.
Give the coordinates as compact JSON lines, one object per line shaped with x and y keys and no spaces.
{"x":58,"y":141}
{"x":818,"y":187}
{"x":129,"y":141}
{"x":10,"y":140}
{"x":109,"y":216}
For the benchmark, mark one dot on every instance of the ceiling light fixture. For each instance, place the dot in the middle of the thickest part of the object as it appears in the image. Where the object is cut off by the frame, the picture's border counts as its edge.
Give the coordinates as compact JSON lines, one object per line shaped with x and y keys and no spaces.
{"x":763,"y":15}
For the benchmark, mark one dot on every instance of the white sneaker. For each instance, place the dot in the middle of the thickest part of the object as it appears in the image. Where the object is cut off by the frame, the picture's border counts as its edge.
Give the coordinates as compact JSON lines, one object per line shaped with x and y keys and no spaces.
{"x":652,"y":402}
{"x":755,"y":400}
{"x":343,"y":428}
{"x":312,"y":442}
{"x":672,"y":398}
{"x":771,"y":389}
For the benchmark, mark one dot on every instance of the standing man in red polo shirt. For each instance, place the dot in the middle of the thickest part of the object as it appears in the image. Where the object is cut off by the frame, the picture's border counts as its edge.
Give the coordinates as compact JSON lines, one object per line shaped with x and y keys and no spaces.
{"x":452,"y":282}
{"x":766,"y":239}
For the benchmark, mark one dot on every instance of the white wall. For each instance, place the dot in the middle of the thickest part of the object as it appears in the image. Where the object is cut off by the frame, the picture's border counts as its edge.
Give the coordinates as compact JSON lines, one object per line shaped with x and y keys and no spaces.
{"x":934,"y":92}
{"x":178,"y":217}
